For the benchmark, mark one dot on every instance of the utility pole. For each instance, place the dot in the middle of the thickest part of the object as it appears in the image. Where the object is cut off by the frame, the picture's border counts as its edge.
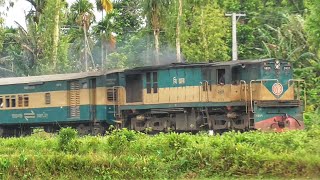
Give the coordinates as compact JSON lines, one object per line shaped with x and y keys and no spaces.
{"x":101,"y":39}
{"x":234,"y":34}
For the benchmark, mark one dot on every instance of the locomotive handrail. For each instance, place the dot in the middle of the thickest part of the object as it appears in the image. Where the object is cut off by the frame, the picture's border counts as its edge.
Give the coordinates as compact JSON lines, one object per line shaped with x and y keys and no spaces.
{"x":258,"y":80}
{"x":113,"y":99}
{"x":304,"y":90}
{"x":245,"y":93}
{"x":206,"y":83}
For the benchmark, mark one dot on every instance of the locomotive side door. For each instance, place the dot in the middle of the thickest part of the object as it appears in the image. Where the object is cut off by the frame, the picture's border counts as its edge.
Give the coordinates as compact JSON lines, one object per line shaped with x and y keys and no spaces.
{"x":134,"y":88}
{"x":92,"y":98}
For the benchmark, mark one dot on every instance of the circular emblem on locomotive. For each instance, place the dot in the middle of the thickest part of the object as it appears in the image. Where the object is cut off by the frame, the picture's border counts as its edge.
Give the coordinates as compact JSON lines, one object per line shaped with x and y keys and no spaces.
{"x":277,"y":89}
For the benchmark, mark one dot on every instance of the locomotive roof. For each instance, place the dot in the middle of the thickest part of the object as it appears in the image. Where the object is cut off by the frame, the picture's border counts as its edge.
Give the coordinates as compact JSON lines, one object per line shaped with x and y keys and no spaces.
{"x":204,"y":64}
{"x":53,"y":77}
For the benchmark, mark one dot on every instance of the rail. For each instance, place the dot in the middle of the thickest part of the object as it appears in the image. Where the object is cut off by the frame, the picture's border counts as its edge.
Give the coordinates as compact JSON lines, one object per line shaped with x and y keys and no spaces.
{"x":258,"y":80}
{"x":304,"y":90}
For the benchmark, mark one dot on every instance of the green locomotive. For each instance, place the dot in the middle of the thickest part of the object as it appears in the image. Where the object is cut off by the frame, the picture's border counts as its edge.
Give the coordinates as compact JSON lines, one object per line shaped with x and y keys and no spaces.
{"x":222,"y":96}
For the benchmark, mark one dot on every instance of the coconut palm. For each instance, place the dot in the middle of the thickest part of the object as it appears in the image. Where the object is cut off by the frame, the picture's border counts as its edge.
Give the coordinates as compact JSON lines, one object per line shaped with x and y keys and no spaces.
{"x":30,"y":44}
{"x":103,"y":27}
{"x":82,"y":15}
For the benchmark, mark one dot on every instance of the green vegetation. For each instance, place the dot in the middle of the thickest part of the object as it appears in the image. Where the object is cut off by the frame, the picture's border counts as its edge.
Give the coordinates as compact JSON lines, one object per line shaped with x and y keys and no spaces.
{"x":127,"y":154}
{"x":61,"y":38}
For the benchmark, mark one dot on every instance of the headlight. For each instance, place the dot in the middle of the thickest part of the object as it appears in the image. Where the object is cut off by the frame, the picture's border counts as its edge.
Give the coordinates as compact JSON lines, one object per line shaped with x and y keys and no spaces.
{"x":267,"y":68}
{"x":277,"y":65}
{"x":286,"y":67}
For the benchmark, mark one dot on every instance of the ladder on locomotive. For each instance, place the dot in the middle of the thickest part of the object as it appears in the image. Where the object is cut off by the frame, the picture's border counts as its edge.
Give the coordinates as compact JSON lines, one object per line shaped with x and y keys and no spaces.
{"x":206,"y":117}
{"x":244,"y":93}
{"x":116,"y":102}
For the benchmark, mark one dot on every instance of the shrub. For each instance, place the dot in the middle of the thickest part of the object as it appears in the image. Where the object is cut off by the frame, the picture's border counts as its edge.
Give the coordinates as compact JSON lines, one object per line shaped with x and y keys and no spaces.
{"x":67,"y":140}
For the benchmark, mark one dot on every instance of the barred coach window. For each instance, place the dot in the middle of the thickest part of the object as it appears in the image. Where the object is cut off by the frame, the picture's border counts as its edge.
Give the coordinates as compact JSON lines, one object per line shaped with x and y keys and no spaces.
{"x":13,"y":101}
{"x":7,"y":101}
{"x":47,"y":97}
{"x":20,"y":101}
{"x":26,"y":100}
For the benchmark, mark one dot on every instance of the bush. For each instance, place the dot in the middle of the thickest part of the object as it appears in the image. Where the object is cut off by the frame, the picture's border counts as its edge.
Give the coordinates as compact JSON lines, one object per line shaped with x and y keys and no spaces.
{"x":126,"y":154}
{"x":67,"y":140}
{"x":119,"y":140}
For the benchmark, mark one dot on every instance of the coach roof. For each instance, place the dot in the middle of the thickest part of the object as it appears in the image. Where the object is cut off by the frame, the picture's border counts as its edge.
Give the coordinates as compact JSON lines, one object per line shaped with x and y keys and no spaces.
{"x":53,"y":77}
{"x":182,"y":65}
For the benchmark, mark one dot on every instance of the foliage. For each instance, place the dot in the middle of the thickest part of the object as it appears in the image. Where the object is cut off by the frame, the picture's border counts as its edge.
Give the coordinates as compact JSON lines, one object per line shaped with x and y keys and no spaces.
{"x":312,"y":25}
{"x":126,"y":154}
{"x":67,"y":140}
{"x":203,"y":37}
{"x":311,"y":119}
{"x":53,"y":42}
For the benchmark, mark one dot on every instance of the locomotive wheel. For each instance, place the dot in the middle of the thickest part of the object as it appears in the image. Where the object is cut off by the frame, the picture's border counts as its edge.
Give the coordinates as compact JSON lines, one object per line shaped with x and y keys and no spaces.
{"x":98,"y":130}
{"x":24,"y":131}
{"x":83,"y":129}
{"x":1,"y":131}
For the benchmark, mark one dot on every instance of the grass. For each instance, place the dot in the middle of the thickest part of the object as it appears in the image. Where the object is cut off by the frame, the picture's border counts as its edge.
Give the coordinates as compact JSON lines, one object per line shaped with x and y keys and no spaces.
{"x":127,"y":154}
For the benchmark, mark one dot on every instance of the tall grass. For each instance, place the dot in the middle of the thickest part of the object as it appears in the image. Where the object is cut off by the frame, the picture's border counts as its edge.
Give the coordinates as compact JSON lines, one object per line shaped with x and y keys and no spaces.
{"x":125,"y":154}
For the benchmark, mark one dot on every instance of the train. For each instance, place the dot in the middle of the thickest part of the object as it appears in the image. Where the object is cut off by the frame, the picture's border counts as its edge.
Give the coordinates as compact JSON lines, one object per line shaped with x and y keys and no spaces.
{"x":238,"y":95}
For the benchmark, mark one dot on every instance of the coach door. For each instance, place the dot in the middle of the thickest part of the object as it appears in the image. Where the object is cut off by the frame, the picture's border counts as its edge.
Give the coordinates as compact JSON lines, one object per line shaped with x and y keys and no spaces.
{"x":92,"y":98}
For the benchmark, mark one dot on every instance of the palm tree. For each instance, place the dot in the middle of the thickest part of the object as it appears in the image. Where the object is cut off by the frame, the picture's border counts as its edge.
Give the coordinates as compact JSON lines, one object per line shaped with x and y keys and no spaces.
{"x":103,"y":28}
{"x":38,"y":7}
{"x":30,"y":45}
{"x":153,"y":11}
{"x":82,"y":15}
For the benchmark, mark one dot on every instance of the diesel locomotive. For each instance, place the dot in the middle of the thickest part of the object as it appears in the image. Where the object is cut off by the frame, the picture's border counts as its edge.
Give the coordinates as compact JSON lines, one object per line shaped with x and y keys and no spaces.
{"x":237,"y":95}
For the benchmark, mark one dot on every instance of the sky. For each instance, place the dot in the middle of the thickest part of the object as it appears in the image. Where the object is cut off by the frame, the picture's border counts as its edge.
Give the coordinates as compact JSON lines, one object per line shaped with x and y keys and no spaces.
{"x":21,"y":7}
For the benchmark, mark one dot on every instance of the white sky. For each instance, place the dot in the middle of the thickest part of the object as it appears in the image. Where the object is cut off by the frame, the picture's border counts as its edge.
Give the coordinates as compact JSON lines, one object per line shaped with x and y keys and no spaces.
{"x":21,"y":7}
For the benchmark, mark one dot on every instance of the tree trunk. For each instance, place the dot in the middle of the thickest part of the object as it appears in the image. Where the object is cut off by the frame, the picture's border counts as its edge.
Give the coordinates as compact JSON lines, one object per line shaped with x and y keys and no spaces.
{"x":178,"y":45}
{"x":156,"y":33}
{"x":204,"y":37}
{"x":56,"y":33}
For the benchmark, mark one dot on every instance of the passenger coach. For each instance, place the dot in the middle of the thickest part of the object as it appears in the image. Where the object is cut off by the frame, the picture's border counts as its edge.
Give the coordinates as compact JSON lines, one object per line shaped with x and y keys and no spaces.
{"x":79,"y":100}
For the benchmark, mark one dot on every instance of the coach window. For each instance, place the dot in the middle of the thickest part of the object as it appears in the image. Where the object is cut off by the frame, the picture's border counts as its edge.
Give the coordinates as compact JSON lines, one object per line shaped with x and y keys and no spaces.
{"x":26,"y":100}
{"x":47,"y":97}
{"x":7,"y":101}
{"x":1,"y":102}
{"x":13,"y":101}
{"x":155,"y":82}
{"x":148,"y":82}
{"x":20,"y":101}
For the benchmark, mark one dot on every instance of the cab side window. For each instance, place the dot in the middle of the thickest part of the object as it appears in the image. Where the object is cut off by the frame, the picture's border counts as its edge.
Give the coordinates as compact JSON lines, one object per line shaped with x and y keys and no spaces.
{"x":221,"y":79}
{"x":152,"y":82}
